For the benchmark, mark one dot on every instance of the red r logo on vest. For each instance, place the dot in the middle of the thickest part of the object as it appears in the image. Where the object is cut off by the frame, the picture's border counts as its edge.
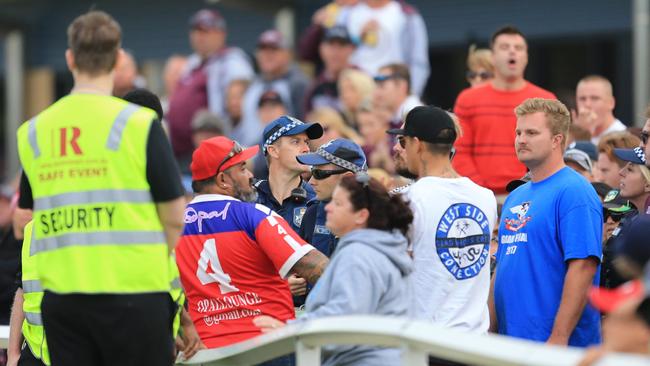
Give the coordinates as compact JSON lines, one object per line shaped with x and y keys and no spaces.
{"x":68,"y":137}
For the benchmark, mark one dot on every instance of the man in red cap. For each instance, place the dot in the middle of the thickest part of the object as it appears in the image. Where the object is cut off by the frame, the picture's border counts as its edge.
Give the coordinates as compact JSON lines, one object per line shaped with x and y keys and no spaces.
{"x":234,"y":255}
{"x":205,"y":79}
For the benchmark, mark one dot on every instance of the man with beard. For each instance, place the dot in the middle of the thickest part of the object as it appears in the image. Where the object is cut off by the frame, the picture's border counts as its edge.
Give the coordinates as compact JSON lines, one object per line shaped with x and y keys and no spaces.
{"x":234,"y":255}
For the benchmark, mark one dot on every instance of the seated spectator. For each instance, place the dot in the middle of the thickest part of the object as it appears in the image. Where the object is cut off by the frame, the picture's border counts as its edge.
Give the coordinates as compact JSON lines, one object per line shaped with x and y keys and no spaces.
{"x":205,"y":125}
{"x":377,"y":144}
{"x":333,"y":127}
{"x":354,"y":87}
{"x":234,"y":98}
{"x":335,"y":49}
{"x":480,"y":68}
{"x":608,"y":164}
{"x":270,"y":108}
{"x":369,"y":269}
{"x":390,"y":32}
{"x":277,"y":72}
{"x":394,"y":92}
{"x":579,"y":161}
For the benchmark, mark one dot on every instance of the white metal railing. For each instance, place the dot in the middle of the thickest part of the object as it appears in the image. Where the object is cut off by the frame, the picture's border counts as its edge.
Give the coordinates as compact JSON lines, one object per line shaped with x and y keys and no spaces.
{"x":416,"y":339}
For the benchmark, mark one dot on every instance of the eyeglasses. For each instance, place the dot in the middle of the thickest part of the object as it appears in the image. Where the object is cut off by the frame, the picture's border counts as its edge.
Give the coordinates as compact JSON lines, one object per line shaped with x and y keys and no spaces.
{"x":236,"y":149}
{"x":483,"y":75}
{"x":644,"y":137}
{"x":320,"y":174}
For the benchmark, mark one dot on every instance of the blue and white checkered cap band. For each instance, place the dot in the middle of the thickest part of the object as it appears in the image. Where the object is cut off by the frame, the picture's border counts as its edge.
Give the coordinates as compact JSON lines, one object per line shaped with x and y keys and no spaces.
{"x":340,"y":162}
{"x":640,"y":154}
{"x":281,"y":131}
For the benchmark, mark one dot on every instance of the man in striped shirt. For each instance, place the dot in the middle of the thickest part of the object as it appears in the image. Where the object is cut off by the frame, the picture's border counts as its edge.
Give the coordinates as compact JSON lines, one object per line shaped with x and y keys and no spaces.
{"x":485,"y":152}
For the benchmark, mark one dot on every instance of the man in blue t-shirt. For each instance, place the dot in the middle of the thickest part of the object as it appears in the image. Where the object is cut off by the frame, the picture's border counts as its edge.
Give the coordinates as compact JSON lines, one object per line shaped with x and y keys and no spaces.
{"x":549,"y":239}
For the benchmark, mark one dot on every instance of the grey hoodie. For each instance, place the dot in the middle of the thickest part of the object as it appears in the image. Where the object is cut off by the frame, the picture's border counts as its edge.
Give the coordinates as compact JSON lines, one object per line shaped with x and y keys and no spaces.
{"x":367,"y":275}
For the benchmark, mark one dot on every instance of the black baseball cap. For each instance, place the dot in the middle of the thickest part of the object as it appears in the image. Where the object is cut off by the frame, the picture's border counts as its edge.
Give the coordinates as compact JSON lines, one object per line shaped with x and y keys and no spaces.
{"x":426,"y":123}
{"x":337,"y":33}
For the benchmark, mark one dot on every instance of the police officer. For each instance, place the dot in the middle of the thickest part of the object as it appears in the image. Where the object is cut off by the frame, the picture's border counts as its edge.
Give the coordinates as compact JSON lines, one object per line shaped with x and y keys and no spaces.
{"x":108,"y":204}
{"x":285,"y":192}
{"x":329,"y":163}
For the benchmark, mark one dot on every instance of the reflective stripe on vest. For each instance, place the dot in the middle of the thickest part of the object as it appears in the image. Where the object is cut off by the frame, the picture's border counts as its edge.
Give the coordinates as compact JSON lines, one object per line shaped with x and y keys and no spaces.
{"x":80,"y":198}
{"x":32,"y":137}
{"x":115,"y":137}
{"x":34,"y":318}
{"x":97,"y":238}
{"x":30,"y":286}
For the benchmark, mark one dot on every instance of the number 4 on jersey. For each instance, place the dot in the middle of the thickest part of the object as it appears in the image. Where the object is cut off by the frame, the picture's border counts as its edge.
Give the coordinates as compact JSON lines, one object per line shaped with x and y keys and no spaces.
{"x":210,"y":271}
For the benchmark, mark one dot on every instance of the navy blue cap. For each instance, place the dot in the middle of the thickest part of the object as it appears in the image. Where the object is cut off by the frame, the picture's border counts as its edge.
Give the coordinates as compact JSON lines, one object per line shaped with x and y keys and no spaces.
{"x":337,"y":33}
{"x":587,"y":147}
{"x":340,"y":152}
{"x":289,"y":126}
{"x":635,"y":156}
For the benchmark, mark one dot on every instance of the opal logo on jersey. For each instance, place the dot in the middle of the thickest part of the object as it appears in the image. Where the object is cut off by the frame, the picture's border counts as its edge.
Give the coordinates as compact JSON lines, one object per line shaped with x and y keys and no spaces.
{"x":515,"y":224}
{"x":191,"y":215}
{"x":463,"y":239}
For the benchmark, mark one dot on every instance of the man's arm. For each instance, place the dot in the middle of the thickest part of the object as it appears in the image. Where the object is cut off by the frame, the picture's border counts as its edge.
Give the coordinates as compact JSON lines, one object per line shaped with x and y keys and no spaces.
{"x":311,"y":266}
{"x":171,"y":217}
{"x":15,"y":329}
{"x":577,"y":283}
{"x":494,"y":324}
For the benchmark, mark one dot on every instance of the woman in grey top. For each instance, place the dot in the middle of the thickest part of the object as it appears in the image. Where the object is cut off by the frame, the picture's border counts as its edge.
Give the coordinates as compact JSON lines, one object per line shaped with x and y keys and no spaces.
{"x":368,"y":271}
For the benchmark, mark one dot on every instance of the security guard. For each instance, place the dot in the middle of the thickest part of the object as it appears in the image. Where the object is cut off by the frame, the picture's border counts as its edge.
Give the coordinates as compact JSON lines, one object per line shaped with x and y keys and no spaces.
{"x":108,"y":205}
{"x":285,"y":192}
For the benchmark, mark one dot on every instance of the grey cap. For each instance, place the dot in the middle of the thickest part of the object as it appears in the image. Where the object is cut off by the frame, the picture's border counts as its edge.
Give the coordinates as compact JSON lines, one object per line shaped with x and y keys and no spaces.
{"x":579,"y":157}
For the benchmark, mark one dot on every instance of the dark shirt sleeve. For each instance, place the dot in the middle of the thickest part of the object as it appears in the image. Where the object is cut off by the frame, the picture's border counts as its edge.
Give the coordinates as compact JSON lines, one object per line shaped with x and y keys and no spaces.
{"x":25,"y":199}
{"x":306,"y":231}
{"x":162,"y":172}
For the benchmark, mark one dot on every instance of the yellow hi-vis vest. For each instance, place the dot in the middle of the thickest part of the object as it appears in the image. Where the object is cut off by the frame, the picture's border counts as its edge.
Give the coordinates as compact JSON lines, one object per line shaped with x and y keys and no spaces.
{"x":96,"y":229}
{"x":33,"y":294}
{"x":176,"y":292}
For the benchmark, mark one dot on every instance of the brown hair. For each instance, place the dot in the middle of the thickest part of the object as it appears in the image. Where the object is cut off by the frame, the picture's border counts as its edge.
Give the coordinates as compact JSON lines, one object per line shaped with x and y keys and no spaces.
{"x":386,"y":212}
{"x":617,"y":140}
{"x":94,"y":39}
{"x":400,"y":71}
{"x":557,"y":115}
{"x":508,"y":29}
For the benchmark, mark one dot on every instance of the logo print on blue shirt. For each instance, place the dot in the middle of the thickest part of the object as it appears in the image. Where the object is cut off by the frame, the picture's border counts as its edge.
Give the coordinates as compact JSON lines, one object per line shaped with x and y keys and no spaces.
{"x":298,"y":213}
{"x":463,"y":240}
{"x":517,"y":223}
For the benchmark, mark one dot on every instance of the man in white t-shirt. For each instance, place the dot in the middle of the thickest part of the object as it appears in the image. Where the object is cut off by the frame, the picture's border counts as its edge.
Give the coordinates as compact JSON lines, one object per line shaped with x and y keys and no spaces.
{"x":453,"y":222}
{"x":595,"y":103}
{"x":390,"y":31}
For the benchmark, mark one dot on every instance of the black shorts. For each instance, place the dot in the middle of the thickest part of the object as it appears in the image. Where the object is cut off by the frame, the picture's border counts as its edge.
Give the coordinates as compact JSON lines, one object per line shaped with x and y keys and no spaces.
{"x":109,"y":329}
{"x":27,"y":358}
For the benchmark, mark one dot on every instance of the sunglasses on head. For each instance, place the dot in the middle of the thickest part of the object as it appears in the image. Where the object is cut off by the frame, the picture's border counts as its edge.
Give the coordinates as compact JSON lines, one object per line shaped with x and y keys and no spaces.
{"x":382,"y":78}
{"x":644,"y":137}
{"x":236,"y":149}
{"x":483,"y":75}
{"x":320,"y":174}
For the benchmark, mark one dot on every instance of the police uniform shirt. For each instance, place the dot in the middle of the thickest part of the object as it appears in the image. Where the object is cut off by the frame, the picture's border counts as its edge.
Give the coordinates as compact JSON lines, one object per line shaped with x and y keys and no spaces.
{"x":292,"y":208}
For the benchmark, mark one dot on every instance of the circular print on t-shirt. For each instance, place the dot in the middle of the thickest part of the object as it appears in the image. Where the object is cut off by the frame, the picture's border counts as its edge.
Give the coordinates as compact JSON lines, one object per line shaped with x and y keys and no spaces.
{"x":463,"y":240}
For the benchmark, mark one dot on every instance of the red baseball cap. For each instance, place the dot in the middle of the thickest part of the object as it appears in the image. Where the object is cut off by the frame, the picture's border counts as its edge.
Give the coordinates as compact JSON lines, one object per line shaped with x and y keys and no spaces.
{"x":607,"y":300}
{"x":218,"y":154}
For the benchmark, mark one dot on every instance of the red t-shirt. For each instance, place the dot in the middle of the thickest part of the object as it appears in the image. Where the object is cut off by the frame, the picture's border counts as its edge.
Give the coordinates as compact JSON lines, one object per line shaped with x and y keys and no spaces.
{"x":486,"y":151}
{"x":232,"y":258}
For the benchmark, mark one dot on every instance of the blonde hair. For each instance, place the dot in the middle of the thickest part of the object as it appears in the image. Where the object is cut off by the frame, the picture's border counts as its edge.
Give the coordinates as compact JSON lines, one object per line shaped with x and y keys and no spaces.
{"x":557,"y":115}
{"x":362,"y":82}
{"x":330,"y":118}
{"x":478,"y":58}
{"x":645,"y":172}
{"x":617,"y":140}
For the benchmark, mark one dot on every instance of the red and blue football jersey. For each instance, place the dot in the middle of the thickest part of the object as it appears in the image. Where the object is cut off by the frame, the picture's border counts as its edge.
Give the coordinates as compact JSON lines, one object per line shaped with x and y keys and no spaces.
{"x":233,"y":259}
